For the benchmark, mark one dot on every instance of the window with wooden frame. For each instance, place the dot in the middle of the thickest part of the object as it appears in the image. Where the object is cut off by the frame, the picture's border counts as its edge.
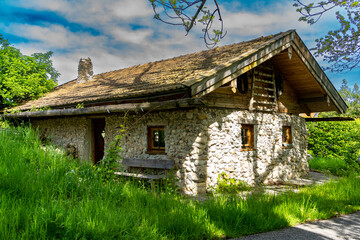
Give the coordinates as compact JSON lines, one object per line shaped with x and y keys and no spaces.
{"x":156,"y":140}
{"x":247,"y":137}
{"x":286,"y":136}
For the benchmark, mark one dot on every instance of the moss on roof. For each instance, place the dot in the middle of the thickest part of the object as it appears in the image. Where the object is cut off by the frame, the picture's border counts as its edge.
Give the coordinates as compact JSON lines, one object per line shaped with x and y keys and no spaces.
{"x":151,"y":78}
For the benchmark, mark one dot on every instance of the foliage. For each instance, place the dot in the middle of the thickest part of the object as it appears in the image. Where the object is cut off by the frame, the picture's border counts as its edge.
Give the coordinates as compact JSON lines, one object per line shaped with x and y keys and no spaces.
{"x":4,"y":124}
{"x":181,"y":12}
{"x":24,"y":77}
{"x":340,"y":47}
{"x":110,"y":163}
{"x":335,"y":140}
{"x":44,"y":195}
{"x":352,"y":100}
{"x":80,"y":105}
{"x":34,"y":109}
{"x":336,"y":166}
{"x":225,"y":184}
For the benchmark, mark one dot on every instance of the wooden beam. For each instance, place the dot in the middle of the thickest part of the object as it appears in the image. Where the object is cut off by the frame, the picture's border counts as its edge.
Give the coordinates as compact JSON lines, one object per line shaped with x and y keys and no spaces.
{"x":107,"y":109}
{"x":329,"y":119}
{"x":141,"y":175}
{"x":306,"y":109}
{"x":290,"y":53}
{"x":148,"y":163}
{"x":312,"y":100}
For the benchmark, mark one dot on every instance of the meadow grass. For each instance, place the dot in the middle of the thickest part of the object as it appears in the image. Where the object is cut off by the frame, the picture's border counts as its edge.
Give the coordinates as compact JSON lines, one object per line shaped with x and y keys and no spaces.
{"x":45,"y":195}
{"x":337,"y":166}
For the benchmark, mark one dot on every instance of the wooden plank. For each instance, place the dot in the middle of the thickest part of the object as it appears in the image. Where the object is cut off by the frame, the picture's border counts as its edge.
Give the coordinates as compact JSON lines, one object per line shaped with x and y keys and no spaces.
{"x":264,"y":95}
{"x":306,"y":109}
{"x":263,"y":81}
{"x":140,"y":175}
{"x":243,"y":65}
{"x":319,"y":74}
{"x":329,"y":119}
{"x":264,"y":88}
{"x":265,"y":67}
{"x":312,"y":100}
{"x":264,"y":103}
{"x":148,"y":163}
{"x":263,"y":74}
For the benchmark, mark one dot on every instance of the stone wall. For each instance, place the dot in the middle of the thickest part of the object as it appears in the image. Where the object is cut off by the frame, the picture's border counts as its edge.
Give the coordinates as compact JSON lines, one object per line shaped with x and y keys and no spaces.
{"x":72,"y":133}
{"x":203,"y":142}
{"x":206,"y":142}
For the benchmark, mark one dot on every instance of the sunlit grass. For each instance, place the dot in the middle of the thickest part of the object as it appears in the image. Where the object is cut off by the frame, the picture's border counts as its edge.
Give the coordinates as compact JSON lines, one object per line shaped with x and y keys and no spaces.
{"x":44,"y":195}
{"x":337,"y":166}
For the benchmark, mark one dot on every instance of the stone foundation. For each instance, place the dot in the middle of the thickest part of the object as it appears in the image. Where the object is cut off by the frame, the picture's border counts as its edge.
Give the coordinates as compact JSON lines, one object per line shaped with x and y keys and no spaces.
{"x":203,"y":142}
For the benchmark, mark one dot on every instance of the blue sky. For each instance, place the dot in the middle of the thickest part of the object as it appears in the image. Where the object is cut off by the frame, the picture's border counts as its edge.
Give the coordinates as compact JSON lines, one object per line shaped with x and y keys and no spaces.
{"x":121,"y":33}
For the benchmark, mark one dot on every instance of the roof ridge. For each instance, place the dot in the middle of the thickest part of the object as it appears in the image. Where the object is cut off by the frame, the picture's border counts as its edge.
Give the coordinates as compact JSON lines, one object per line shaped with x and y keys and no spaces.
{"x":199,"y":52}
{"x":152,"y":77}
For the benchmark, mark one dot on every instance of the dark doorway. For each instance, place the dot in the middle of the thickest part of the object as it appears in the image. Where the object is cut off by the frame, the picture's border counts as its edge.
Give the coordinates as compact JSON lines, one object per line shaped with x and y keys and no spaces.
{"x":97,"y":139}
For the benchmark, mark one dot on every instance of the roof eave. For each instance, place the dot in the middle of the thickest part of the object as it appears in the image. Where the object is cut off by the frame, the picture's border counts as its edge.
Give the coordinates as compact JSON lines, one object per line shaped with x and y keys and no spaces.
{"x":299,"y":47}
{"x":107,"y":109}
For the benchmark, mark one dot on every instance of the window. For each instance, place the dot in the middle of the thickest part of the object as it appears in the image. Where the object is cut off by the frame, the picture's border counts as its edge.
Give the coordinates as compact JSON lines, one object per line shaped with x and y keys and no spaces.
{"x":286,"y":136}
{"x":247,"y":137}
{"x":156,"y":140}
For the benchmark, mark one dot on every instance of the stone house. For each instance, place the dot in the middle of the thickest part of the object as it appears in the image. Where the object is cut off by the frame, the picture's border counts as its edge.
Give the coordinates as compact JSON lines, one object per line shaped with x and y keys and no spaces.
{"x":232,"y":109}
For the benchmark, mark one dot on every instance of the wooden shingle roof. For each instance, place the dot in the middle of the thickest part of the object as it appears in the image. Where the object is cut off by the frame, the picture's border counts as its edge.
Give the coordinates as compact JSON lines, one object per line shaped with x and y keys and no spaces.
{"x":150,"y":78}
{"x":192,"y":76}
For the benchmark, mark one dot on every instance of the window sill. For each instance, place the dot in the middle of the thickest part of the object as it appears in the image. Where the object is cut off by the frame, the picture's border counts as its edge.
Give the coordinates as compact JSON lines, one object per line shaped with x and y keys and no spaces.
{"x":247,"y":149}
{"x":155,"y":152}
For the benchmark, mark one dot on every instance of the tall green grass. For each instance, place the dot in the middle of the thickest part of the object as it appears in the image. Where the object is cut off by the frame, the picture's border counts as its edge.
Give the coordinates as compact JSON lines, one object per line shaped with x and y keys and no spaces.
{"x":45,"y":195}
{"x":337,"y":166}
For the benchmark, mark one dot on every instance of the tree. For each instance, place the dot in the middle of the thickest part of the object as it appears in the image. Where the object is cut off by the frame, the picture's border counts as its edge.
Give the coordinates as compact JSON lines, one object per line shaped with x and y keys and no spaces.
{"x":341,"y":47}
{"x":188,"y":13}
{"x":352,"y":99}
{"x":24,"y":77}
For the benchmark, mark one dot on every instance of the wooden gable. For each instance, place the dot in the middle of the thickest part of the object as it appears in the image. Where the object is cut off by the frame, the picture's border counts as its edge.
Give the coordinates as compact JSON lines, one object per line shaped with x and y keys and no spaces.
{"x":307,"y":88}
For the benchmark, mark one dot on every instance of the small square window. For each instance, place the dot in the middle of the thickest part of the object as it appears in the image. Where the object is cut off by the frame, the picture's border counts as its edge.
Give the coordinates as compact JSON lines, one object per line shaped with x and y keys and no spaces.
{"x":247,"y":136}
{"x":286,"y":136}
{"x":156,"y":140}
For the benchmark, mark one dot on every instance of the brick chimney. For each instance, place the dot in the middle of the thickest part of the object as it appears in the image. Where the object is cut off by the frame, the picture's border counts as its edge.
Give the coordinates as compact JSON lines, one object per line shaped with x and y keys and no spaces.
{"x":85,"y":70}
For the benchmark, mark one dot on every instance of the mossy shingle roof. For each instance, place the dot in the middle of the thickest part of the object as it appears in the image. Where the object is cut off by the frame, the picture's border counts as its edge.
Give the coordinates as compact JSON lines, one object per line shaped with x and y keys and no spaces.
{"x":150,"y":78}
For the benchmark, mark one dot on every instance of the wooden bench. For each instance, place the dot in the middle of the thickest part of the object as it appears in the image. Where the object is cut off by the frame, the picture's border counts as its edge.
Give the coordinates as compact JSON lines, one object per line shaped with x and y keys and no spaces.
{"x":164,"y":164}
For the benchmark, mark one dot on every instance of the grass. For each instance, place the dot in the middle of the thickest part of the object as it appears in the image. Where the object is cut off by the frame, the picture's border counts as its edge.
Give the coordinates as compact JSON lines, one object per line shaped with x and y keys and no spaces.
{"x":337,"y":166}
{"x":45,"y":195}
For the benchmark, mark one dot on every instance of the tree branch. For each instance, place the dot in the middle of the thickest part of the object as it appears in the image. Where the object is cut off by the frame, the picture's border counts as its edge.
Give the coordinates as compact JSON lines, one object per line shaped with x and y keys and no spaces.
{"x":182,"y":13}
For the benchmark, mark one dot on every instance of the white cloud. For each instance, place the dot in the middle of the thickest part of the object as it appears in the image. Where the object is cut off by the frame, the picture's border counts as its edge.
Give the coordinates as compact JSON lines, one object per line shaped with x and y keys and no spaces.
{"x":93,"y":12}
{"x":53,"y":36}
{"x":121,"y":43}
{"x":280,"y":18}
{"x":130,"y":36}
{"x":51,"y":5}
{"x":130,"y":9}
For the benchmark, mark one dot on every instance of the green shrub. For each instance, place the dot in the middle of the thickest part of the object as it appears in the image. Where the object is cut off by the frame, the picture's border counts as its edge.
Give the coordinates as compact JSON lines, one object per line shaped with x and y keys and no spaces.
{"x":335,"y":139}
{"x":4,"y":123}
{"x":225,"y":184}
